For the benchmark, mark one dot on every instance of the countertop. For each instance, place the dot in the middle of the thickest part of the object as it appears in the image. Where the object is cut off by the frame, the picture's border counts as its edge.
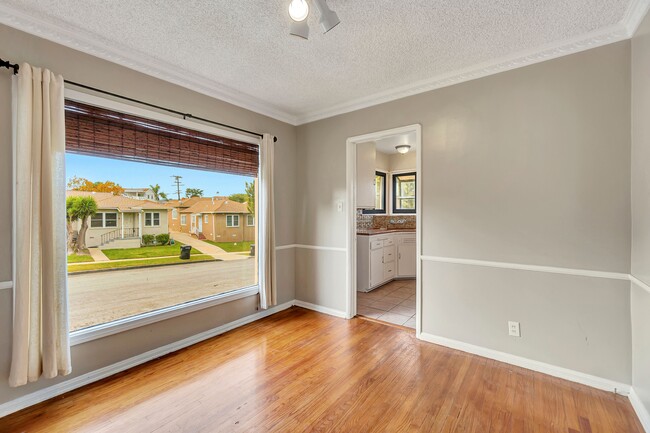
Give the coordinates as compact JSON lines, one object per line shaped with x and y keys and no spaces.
{"x":372,"y":232}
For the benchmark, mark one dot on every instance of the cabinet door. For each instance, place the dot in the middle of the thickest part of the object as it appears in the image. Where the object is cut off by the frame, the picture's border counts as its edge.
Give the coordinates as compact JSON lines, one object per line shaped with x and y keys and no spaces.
{"x":406,"y":258}
{"x":376,"y":267}
{"x":366,"y":155}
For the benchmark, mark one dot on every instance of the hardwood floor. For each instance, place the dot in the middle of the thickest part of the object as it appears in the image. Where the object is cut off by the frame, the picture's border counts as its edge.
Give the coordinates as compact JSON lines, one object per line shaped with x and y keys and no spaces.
{"x":303,"y":371}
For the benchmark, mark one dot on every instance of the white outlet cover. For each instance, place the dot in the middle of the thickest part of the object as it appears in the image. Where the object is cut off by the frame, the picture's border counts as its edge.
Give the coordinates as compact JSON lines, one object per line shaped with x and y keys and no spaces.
{"x":513,"y":329}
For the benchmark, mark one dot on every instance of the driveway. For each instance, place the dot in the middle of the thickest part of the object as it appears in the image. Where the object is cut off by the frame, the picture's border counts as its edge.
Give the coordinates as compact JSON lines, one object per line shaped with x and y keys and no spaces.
{"x":206,"y":248}
{"x":102,"y":297}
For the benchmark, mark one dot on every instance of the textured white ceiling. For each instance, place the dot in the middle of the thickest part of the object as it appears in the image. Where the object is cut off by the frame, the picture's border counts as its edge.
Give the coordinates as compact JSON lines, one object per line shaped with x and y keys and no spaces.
{"x":380,"y":45}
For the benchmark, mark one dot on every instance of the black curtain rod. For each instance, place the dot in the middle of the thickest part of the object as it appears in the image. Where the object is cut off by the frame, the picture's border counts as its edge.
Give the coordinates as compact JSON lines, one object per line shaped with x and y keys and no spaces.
{"x":16,"y":67}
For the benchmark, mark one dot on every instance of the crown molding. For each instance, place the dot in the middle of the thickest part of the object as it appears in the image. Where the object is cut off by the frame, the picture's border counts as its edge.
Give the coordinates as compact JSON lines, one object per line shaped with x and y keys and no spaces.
{"x":625,"y":29}
{"x":89,"y":43}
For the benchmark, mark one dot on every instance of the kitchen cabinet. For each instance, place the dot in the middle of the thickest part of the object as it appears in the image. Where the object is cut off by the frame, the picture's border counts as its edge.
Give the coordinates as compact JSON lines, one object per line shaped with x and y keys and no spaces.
{"x":406,"y":256}
{"x":366,"y":156}
{"x":378,"y":259}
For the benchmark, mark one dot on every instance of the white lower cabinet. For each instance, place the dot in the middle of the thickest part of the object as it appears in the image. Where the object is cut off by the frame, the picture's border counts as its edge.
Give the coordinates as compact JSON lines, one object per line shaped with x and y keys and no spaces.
{"x":406,"y":256}
{"x":382,"y":258}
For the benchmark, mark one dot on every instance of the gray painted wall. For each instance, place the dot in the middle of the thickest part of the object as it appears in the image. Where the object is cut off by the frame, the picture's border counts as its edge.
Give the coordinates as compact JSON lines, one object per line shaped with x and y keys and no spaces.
{"x":529,"y":166}
{"x":640,"y":298}
{"x":86,"y":69}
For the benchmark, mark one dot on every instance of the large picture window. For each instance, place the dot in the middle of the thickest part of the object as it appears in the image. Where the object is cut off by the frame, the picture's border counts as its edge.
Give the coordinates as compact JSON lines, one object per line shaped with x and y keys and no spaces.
{"x":404,"y":193}
{"x":380,"y":194}
{"x":108,"y":155}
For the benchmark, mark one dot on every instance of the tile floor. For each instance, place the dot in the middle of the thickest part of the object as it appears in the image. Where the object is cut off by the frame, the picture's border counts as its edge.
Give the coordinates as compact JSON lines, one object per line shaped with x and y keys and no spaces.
{"x":394,"y":302}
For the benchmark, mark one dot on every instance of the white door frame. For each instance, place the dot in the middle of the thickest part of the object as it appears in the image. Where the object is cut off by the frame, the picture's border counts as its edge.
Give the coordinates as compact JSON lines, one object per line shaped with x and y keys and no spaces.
{"x":351,"y":220}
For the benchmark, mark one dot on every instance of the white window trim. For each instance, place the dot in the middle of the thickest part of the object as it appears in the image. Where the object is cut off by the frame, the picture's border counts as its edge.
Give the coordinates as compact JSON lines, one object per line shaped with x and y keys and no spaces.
{"x":206,"y":219}
{"x":81,"y":336}
{"x":175,"y":212}
{"x":233,"y":215}
{"x":152,"y":219}
{"x":250,"y":225}
{"x":183,"y":220}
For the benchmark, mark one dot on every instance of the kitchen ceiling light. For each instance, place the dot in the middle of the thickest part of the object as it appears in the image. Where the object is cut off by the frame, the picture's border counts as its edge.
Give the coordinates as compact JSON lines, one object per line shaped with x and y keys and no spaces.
{"x":298,"y":10}
{"x":403,"y":148}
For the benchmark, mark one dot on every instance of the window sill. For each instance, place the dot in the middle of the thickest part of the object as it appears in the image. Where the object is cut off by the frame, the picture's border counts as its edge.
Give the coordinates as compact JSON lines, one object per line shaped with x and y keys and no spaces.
{"x":106,"y":329}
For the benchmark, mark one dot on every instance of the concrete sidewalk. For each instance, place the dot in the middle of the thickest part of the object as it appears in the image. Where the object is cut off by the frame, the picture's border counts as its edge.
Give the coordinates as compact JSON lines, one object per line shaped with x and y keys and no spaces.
{"x":206,"y":248}
{"x":98,"y":255}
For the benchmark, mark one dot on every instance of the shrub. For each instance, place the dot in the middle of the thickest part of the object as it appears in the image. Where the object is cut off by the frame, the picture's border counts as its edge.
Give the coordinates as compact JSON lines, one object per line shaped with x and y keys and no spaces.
{"x":162,"y":239}
{"x":148,"y":239}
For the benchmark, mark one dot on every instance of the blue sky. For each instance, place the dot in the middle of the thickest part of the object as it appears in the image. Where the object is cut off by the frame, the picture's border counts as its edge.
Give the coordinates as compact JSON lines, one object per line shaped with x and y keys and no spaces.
{"x":138,"y":175}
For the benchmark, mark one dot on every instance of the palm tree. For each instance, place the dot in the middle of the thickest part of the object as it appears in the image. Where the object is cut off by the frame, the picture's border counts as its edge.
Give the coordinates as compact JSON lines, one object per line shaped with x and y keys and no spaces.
{"x":79,"y":209}
{"x":157,"y":193}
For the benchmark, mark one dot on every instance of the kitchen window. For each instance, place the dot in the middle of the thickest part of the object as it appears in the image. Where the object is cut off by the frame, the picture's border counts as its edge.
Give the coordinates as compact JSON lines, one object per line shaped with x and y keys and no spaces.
{"x":232,"y":221}
{"x":380,"y":194}
{"x":152,"y":219}
{"x":404,"y":193}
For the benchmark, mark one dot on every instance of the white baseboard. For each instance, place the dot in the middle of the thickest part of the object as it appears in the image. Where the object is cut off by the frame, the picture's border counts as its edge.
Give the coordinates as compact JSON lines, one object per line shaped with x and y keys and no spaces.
{"x":552,"y":370}
{"x":640,"y":409}
{"x":320,"y":309}
{"x":93,"y":376}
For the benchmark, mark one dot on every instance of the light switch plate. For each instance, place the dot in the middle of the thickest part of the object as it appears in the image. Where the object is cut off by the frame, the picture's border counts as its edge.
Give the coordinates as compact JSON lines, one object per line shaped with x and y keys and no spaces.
{"x":339,"y":206}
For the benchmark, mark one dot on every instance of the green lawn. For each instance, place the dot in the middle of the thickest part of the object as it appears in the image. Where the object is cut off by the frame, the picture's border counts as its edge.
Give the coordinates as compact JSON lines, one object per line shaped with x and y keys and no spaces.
{"x":233,"y":247}
{"x":135,"y":263}
{"x":144,"y":252}
{"x":80,"y":258}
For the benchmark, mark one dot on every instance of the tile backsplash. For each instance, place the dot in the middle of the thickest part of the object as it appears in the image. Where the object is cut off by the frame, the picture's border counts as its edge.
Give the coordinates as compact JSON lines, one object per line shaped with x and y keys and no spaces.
{"x":370,"y":221}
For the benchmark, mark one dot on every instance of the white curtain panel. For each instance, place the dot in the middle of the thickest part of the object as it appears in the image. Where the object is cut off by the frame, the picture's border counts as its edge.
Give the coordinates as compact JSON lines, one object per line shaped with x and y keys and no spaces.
{"x":41,"y":344}
{"x":266,"y":213}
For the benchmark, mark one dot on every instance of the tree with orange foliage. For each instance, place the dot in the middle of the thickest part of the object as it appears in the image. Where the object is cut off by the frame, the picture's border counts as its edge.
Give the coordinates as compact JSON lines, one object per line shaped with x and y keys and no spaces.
{"x":83,"y":184}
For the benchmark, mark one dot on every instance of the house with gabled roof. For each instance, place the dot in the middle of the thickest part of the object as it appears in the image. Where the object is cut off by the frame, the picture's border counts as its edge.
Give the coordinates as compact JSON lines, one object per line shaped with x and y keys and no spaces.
{"x":121,"y":221}
{"x":214,"y":218}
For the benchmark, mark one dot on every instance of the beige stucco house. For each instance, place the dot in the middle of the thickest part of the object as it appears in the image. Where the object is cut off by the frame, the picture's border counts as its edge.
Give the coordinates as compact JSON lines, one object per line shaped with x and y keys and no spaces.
{"x":121,"y":221}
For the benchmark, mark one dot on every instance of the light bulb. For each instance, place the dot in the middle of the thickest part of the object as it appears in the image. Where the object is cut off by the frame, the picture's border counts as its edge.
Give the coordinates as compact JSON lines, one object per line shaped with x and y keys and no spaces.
{"x":298,"y":10}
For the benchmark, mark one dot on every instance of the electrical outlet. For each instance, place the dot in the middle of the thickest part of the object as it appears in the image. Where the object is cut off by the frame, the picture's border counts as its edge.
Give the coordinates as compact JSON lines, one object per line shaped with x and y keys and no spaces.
{"x":513,"y":329}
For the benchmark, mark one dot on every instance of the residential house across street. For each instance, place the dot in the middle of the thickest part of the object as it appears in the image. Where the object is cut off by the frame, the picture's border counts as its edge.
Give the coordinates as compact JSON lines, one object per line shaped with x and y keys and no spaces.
{"x":214,"y":218}
{"x":121,"y":221}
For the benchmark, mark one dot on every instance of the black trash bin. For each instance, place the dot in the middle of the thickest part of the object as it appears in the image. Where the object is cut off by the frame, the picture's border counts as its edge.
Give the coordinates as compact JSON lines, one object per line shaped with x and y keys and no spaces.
{"x":185,"y":252}
{"x":252,"y":249}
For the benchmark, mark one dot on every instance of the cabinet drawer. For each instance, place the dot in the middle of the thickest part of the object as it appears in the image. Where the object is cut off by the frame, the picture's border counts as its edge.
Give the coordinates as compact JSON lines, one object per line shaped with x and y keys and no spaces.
{"x":389,"y":242}
{"x":389,"y":271}
{"x":389,"y":254}
{"x":375,"y":245}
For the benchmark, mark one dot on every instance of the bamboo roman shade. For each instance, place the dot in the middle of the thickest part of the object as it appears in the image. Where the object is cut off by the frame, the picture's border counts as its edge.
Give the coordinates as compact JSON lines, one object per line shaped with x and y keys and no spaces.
{"x":98,"y":131}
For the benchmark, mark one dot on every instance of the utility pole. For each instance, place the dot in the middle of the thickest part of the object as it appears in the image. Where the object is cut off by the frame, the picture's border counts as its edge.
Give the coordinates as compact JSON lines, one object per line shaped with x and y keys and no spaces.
{"x":177,"y":184}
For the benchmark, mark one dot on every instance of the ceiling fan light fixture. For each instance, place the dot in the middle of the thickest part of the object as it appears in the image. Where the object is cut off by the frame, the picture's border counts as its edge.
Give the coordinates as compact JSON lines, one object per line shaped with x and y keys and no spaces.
{"x":298,"y":10}
{"x":328,"y":18}
{"x":300,"y":29}
{"x":403,"y":148}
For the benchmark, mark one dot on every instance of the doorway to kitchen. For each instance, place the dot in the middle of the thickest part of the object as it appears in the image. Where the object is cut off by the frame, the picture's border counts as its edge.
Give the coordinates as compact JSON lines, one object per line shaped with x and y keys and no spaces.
{"x":383,"y":226}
